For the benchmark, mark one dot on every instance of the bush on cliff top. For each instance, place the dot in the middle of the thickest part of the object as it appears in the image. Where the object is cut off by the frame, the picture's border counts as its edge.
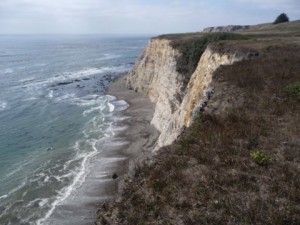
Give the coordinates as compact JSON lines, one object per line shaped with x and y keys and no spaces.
{"x":192,"y":49}
{"x":282,"y":18}
{"x":294,"y":89}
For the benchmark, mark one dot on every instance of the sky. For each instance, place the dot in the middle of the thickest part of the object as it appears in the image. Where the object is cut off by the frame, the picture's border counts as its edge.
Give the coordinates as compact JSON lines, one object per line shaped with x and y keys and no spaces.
{"x":136,"y":16}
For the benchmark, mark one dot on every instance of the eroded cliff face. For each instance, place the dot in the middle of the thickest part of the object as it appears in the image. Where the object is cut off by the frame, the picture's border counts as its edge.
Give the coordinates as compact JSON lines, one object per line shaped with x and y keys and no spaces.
{"x":155,"y":74}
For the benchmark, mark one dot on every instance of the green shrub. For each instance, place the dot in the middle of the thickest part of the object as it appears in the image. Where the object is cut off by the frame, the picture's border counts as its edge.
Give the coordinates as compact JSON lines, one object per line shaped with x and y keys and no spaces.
{"x":294,"y":89}
{"x":191,"y":50}
{"x":260,"y":158}
{"x":282,"y":18}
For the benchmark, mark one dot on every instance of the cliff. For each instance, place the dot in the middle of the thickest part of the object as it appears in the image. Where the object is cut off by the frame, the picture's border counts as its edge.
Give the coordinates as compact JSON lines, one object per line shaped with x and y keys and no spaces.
{"x":155,"y":75}
{"x":230,"y":131}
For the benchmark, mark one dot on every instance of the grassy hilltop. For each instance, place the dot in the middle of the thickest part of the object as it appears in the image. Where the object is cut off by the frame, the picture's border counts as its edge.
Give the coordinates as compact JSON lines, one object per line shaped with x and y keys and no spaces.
{"x":237,"y":167}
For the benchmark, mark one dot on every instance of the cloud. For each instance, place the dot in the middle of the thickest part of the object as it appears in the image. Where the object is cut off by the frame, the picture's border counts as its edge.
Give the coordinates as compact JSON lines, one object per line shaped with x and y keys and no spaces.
{"x":134,"y":16}
{"x":289,"y":5}
{"x":107,"y":15}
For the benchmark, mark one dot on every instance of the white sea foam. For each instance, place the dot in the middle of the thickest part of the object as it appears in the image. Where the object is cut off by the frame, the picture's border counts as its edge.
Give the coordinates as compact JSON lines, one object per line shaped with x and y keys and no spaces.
{"x":79,"y":178}
{"x":97,"y":104}
{"x":106,"y":57}
{"x":27,"y":79}
{"x":89,"y":100}
{"x":30,"y":99}
{"x":50,"y":94}
{"x":43,"y":202}
{"x":79,"y":175}
{"x":32,"y":203}
{"x":3,"y":105}
{"x":91,"y":71}
{"x":16,"y":188}
{"x":111,"y":107}
{"x":67,"y":76}
{"x":120,"y":105}
{"x":3,"y":196}
{"x":68,"y":96}
{"x":40,"y":64}
{"x":8,"y":71}
{"x":93,"y":109}
{"x":19,"y":168}
{"x":111,"y":98}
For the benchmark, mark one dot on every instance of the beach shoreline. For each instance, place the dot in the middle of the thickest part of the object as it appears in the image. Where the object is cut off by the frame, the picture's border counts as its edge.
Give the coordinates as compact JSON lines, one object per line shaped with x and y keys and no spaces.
{"x":131,"y":145}
{"x":140,"y":134}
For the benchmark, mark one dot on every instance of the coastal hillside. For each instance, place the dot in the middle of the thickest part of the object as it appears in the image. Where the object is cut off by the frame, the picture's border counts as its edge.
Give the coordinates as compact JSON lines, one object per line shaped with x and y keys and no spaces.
{"x":227,"y":106}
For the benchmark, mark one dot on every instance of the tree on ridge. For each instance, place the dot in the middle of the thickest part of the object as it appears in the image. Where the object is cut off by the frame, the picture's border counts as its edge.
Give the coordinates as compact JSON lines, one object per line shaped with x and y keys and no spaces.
{"x":282,"y":18}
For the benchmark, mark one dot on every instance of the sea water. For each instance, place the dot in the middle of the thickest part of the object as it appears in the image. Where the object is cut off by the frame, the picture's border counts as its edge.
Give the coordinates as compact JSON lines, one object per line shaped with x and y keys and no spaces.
{"x":55,"y":121}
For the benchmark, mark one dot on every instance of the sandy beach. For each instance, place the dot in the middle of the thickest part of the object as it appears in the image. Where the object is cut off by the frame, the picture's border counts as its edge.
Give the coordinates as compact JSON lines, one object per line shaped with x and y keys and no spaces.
{"x":141,"y":135}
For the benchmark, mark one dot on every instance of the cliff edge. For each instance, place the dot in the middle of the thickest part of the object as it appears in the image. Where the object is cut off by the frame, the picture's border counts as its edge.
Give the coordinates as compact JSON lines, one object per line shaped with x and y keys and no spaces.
{"x":156,"y":75}
{"x":227,"y":107}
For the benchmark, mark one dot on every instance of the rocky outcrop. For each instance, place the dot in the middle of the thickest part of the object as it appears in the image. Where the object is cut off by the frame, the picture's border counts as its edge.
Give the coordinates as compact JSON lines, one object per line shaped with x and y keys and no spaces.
{"x":155,"y":75}
{"x":229,"y":28}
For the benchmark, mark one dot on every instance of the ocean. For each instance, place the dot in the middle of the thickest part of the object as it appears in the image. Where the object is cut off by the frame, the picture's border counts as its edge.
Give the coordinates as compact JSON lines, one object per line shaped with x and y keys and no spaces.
{"x":58,"y":129}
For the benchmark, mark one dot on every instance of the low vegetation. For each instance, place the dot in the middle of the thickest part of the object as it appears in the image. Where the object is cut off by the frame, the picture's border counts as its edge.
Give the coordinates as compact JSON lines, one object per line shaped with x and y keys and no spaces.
{"x":260,"y":158}
{"x":192,"y":48}
{"x":294,"y":89}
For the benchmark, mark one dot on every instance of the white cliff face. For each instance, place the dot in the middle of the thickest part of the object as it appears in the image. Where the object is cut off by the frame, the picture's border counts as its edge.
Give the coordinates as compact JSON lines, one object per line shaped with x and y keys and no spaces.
{"x":200,"y":86}
{"x":155,"y":74}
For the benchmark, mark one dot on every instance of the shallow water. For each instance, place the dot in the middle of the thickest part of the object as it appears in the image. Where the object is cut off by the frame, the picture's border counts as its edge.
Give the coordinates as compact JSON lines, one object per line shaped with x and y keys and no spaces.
{"x":57,"y":128}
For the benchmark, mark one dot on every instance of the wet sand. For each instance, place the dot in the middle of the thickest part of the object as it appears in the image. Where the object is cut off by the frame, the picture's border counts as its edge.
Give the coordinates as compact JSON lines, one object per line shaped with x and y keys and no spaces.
{"x":141,"y":135}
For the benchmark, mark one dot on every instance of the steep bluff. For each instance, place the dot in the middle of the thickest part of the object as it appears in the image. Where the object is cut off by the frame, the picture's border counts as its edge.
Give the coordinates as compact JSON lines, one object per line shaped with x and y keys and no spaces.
{"x":238,"y":161}
{"x":155,"y":75}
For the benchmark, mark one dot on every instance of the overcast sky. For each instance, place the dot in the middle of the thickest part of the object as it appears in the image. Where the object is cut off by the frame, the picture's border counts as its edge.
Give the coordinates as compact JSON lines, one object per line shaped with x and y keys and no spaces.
{"x":136,"y":16}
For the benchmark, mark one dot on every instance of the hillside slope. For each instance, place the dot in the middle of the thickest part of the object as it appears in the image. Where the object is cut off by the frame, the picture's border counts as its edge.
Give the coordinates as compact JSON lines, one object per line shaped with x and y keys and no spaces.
{"x":237,"y":157}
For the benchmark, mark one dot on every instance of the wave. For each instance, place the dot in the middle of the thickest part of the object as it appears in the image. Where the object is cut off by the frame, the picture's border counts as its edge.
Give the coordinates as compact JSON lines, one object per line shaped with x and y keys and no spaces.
{"x":102,"y":133}
{"x":77,"y":181}
{"x":3,"y":196}
{"x":97,"y":103}
{"x":27,"y":80}
{"x":111,"y":98}
{"x":69,"y":76}
{"x":19,"y":168}
{"x":13,"y":190}
{"x":93,"y":109}
{"x":30,"y":99}
{"x":50,"y":94}
{"x":8,"y":71}
{"x":111,"y":107}
{"x":106,"y":57}
{"x":92,"y":71}
{"x":119,"y":105}
{"x":73,"y":173}
{"x":103,"y":102}
{"x":88,"y":100}
{"x":3,"y":105}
